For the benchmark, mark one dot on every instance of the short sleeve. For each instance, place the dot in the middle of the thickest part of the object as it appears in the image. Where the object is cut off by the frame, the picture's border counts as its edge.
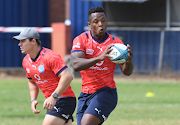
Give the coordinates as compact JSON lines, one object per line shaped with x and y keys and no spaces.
{"x":56,"y":63}
{"x":78,"y":44}
{"x":27,"y":70}
{"x":118,"y":40}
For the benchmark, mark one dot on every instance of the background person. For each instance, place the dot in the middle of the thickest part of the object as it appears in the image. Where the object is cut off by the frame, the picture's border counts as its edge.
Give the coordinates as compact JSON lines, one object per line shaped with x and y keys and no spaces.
{"x":46,"y":70}
{"x":89,"y":55}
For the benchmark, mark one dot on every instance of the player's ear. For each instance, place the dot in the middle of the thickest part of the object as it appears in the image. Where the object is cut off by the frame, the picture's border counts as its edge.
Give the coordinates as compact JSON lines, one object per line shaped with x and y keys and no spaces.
{"x":34,"y":41}
{"x":89,"y":24}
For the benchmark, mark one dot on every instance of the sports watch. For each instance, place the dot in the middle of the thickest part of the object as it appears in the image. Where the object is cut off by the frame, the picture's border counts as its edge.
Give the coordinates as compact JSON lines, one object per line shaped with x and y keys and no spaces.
{"x":55,"y":95}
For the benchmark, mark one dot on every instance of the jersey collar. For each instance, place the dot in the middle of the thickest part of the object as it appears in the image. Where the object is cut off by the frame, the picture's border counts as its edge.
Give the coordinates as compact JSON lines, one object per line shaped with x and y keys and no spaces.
{"x":37,"y":55}
{"x":100,"y":41}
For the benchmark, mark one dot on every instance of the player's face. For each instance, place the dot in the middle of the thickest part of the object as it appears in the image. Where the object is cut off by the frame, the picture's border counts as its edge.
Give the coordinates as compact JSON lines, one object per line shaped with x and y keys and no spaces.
{"x":98,"y":24}
{"x":25,"y":46}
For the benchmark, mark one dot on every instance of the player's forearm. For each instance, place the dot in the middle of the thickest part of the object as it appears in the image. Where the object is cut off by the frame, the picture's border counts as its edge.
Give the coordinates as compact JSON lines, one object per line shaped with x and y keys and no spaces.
{"x":34,"y":94}
{"x":79,"y":62}
{"x":33,"y":90}
{"x":127,"y":68}
{"x":82,"y":63}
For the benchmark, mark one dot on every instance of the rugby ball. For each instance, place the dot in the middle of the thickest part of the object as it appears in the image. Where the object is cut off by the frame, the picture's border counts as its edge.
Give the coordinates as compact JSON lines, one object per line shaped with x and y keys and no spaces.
{"x":119,"y":54}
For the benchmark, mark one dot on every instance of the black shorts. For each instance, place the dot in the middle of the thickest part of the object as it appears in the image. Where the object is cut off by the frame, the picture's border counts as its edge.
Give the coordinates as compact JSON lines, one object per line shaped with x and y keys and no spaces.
{"x":64,"y":108}
{"x":100,"y":104}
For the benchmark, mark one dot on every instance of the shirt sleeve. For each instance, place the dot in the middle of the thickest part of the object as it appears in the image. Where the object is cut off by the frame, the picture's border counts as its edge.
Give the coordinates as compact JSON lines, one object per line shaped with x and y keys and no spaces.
{"x":118,"y":40}
{"x":26,"y":69}
{"x":56,"y":64}
{"x":78,"y":44}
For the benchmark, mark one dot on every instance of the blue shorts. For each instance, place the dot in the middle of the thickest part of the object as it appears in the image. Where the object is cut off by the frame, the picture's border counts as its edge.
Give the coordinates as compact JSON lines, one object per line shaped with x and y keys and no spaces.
{"x":101,"y":103}
{"x":64,"y":108}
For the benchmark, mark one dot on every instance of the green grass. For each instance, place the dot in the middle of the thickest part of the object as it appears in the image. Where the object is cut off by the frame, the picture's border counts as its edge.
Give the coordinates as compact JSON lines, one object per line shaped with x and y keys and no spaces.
{"x":133,"y":107}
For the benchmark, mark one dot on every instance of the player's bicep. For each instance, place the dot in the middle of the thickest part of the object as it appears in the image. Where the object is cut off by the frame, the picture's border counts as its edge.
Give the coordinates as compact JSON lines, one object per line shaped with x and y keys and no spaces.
{"x":65,"y":73}
{"x":65,"y":78}
{"x":76,"y":55}
{"x":32,"y":85}
{"x":77,"y":59}
{"x":31,"y":81}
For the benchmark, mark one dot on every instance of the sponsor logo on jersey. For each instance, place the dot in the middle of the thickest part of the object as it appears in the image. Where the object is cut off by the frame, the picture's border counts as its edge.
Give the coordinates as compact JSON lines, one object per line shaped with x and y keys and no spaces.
{"x":99,"y":48}
{"x":77,"y":45}
{"x":98,"y":68}
{"x":27,"y":70}
{"x":34,"y":66}
{"x":39,"y":82}
{"x":100,"y":63}
{"x":37,"y":77}
{"x":41,"y":69}
{"x":89,"y":51}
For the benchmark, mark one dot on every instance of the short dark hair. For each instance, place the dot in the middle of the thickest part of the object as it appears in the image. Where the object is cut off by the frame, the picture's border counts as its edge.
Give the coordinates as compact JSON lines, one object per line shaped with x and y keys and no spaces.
{"x":37,"y":41}
{"x":95,"y":10}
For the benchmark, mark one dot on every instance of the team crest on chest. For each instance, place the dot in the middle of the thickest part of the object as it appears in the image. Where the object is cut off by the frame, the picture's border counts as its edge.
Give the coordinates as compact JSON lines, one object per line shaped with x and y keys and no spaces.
{"x":41,"y":69}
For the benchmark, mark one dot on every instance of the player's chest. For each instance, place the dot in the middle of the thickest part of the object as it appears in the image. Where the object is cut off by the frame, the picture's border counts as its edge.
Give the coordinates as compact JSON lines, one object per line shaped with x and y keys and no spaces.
{"x":94,"y":48}
{"x":36,"y":69}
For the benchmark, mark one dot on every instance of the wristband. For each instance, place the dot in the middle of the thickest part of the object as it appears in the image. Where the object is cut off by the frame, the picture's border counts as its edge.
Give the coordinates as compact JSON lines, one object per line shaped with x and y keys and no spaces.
{"x":32,"y":100}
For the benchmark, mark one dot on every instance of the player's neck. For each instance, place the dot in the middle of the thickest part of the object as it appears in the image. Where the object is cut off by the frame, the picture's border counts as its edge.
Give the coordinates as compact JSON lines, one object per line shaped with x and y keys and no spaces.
{"x":99,"y":37}
{"x":35,"y":52}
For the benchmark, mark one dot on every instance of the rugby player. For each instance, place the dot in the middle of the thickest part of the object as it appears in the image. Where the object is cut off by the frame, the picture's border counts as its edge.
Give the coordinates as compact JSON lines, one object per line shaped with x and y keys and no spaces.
{"x":46,"y":71}
{"x":89,"y":54}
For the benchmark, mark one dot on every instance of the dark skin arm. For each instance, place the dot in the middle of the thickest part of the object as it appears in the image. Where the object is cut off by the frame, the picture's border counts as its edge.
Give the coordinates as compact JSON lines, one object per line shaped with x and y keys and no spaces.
{"x":127,"y":67}
{"x":79,"y":62}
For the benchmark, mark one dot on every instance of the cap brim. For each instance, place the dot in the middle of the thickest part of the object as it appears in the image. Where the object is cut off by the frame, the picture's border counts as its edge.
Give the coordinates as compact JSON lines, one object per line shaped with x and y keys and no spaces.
{"x":19,"y":37}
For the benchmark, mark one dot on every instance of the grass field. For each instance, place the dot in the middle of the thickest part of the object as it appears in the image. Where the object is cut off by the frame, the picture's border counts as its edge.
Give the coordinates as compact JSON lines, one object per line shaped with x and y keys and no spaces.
{"x":133,"y":108}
